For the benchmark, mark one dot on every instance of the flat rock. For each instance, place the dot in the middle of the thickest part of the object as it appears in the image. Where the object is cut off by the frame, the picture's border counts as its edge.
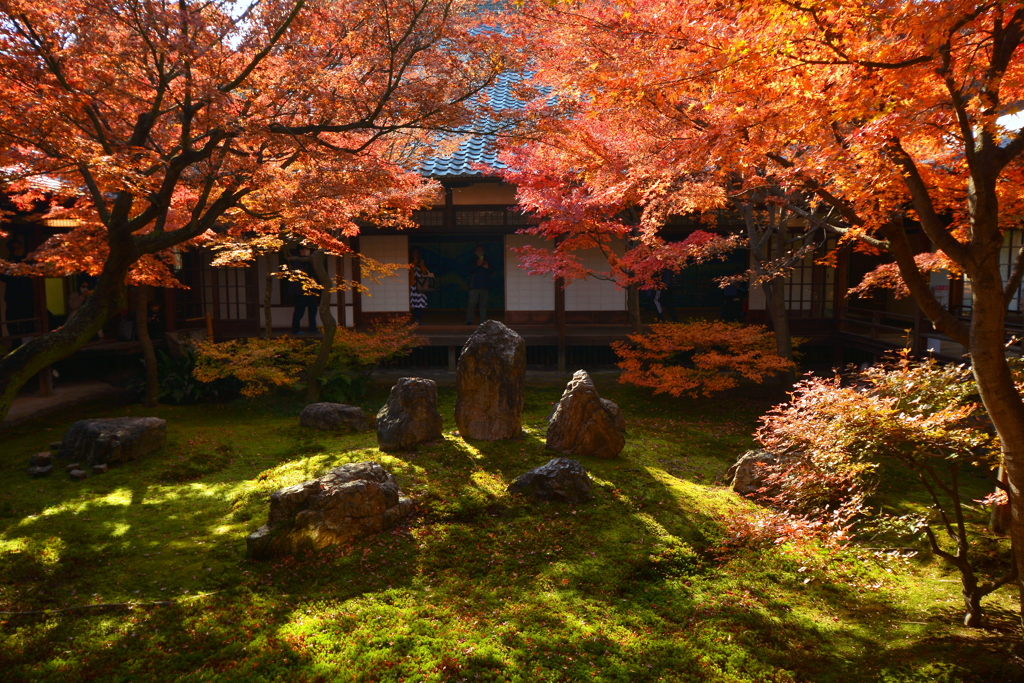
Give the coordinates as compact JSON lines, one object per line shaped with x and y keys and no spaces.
{"x":43,"y":459}
{"x":562,"y":480}
{"x":113,"y":440}
{"x":55,"y":445}
{"x":410,"y":416}
{"x":489,"y":383}
{"x":747,"y":474}
{"x":334,"y":417}
{"x":100,"y":469}
{"x":350,"y":501}
{"x":40,"y":471}
{"x":584,"y":424}
{"x":78,"y":475}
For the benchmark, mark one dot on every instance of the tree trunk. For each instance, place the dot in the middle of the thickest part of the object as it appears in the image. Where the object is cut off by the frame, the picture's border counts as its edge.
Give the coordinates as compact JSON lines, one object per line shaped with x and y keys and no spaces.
{"x":27,"y":360}
{"x":999,"y":517}
{"x":999,"y":394}
{"x":268,"y":293}
{"x":319,"y":262}
{"x":148,"y":353}
{"x":775,"y":291}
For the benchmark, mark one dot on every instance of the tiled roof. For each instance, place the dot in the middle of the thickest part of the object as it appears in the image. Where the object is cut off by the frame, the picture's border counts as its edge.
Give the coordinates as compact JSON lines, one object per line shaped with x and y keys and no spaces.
{"x":478,"y":147}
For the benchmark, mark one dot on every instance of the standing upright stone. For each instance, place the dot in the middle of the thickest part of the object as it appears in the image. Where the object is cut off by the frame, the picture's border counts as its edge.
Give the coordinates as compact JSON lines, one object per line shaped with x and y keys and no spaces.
{"x":584,"y":424}
{"x":489,"y":382}
{"x":410,"y":416}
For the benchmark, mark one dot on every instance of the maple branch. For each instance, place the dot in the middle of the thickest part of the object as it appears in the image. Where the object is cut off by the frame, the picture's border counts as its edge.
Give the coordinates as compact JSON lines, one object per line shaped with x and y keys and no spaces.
{"x":53,"y":64}
{"x":262,"y":54}
{"x":923,"y":205}
{"x":903,"y":254}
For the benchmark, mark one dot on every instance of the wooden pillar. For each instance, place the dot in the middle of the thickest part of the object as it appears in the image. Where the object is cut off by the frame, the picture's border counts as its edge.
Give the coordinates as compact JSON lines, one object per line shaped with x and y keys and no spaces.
{"x":170,"y":312}
{"x":453,"y":358}
{"x":42,"y":327}
{"x":560,"y":320}
{"x":449,"y":210}
{"x":357,"y":297}
{"x":840,"y":285}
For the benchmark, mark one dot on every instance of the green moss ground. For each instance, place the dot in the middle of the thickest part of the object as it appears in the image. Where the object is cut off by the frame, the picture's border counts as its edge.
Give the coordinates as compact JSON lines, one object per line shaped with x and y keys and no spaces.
{"x":479,"y":586}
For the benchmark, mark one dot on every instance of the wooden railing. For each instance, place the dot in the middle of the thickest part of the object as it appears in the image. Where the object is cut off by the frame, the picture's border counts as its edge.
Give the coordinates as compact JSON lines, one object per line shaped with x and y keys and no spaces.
{"x":887,"y":327}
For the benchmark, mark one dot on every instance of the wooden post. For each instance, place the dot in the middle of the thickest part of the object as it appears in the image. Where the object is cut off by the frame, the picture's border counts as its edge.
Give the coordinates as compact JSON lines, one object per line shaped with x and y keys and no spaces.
{"x":357,"y":298}
{"x":453,"y":358}
{"x":560,"y":320}
{"x":170,"y":313}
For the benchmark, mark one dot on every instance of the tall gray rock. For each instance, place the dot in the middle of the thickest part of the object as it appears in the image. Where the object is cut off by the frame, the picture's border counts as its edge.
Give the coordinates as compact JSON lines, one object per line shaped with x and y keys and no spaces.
{"x":584,"y":424}
{"x":348,"y":502}
{"x":410,"y":416}
{"x":113,"y":440}
{"x":489,"y":382}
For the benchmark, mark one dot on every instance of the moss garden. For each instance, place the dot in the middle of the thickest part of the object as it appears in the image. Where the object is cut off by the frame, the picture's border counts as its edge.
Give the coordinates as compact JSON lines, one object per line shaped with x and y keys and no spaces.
{"x":140,"y":574}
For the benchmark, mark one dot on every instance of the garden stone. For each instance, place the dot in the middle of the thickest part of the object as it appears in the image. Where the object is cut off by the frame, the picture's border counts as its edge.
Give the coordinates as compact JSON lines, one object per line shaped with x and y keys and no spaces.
{"x":43,"y":459}
{"x":333,"y":417}
{"x":746,"y":476}
{"x":55,"y":445}
{"x":584,"y":424}
{"x":113,"y":440}
{"x":561,"y":480}
{"x":78,"y":475}
{"x":350,"y":501}
{"x":100,"y":469}
{"x":489,"y":381}
{"x":40,"y":471}
{"x":73,"y":466}
{"x":410,"y":416}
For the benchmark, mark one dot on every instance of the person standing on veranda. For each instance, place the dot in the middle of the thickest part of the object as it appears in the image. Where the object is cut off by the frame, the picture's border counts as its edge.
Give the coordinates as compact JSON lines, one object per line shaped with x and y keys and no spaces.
{"x":304,"y":301}
{"x":419,"y":284}
{"x":479,"y":286}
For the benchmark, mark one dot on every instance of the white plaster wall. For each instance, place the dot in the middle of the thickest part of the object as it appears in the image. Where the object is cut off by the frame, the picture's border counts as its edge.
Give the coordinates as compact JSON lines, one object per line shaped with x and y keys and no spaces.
{"x":593,"y":294}
{"x":391,"y":294}
{"x":525,"y":292}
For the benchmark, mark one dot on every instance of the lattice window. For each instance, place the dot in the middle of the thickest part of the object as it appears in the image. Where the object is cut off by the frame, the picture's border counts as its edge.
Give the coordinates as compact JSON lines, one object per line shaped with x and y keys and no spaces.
{"x":809,"y":288}
{"x":480,"y":218}
{"x":516,"y":218}
{"x":1013,"y":240}
{"x":429,"y":218}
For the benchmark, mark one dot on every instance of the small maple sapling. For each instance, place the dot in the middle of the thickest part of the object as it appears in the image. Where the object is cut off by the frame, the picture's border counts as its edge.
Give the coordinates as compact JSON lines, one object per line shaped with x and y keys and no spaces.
{"x":698,"y":358}
{"x":263,"y":365}
{"x":832,"y":438}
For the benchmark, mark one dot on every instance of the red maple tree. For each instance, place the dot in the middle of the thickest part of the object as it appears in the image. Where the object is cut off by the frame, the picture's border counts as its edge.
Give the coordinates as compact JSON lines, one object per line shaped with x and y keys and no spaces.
{"x":884,"y":114}
{"x":179,"y":122}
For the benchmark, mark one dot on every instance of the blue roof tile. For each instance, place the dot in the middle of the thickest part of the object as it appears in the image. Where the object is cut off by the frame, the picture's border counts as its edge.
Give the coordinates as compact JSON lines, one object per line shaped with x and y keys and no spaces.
{"x":478,"y":148}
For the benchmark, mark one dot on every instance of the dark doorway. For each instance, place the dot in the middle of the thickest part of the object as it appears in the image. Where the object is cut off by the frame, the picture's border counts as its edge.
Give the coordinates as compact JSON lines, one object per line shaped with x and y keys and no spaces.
{"x":450,"y":258}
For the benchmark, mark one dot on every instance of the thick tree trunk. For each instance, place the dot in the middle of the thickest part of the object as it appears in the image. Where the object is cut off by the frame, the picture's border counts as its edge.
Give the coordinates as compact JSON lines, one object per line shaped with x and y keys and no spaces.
{"x":148,"y":353}
{"x":23,"y":363}
{"x":999,"y":394}
{"x":775,"y":293}
{"x":330,"y":328}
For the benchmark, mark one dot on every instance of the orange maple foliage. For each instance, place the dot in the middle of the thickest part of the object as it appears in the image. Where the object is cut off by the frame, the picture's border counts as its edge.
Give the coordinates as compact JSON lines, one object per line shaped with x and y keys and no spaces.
{"x":698,"y":358}
{"x":177,"y":123}
{"x":885,"y":114}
